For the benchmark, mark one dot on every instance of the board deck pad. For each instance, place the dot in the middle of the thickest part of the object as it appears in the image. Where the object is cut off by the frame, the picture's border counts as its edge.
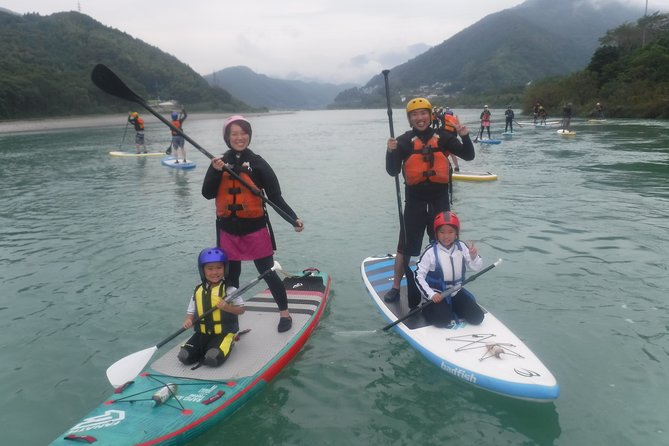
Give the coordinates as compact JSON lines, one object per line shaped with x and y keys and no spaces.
{"x":262,"y":317}
{"x":380,"y":275}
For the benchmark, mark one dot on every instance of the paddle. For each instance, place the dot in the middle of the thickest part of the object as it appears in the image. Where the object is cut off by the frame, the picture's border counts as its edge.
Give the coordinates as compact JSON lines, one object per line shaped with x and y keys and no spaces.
{"x":398,"y":192}
{"x":518,"y":123}
{"x":392,"y":135}
{"x":107,"y":81}
{"x":445,"y":293}
{"x":124,"y":132}
{"x":128,"y":367}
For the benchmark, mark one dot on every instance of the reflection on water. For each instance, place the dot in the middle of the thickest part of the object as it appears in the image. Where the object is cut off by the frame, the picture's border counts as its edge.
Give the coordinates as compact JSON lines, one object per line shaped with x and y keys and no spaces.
{"x":97,"y":260}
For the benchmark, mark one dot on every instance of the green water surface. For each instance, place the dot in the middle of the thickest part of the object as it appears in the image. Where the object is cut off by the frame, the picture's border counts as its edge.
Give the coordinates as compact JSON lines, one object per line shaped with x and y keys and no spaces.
{"x":98,"y":259}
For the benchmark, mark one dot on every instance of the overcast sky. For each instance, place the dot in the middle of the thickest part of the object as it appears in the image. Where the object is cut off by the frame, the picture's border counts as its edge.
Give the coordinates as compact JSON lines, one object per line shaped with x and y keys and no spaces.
{"x":327,"y":40}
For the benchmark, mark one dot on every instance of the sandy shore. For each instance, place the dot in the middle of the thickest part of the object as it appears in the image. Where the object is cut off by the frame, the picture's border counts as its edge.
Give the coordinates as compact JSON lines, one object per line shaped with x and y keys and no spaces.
{"x":74,"y":122}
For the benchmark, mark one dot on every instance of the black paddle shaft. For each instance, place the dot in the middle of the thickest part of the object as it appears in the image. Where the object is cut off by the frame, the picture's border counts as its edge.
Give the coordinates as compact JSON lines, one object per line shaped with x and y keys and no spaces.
{"x":390,"y":110}
{"x":106,"y":80}
{"x":398,"y":192}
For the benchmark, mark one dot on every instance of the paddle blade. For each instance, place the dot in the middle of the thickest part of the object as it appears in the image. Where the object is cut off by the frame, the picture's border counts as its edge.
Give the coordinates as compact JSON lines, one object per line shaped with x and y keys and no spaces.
{"x":128,"y":367}
{"x":107,"y":81}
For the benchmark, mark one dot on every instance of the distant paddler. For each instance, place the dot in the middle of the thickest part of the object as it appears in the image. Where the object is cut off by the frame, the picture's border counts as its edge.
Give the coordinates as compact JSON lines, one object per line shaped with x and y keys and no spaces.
{"x":138,"y":123}
{"x":566,"y":116}
{"x":485,"y":121}
{"x":178,"y":149}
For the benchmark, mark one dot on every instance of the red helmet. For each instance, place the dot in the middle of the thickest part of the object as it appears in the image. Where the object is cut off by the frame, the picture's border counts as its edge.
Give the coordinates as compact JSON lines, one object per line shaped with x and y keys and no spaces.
{"x":447,"y":218}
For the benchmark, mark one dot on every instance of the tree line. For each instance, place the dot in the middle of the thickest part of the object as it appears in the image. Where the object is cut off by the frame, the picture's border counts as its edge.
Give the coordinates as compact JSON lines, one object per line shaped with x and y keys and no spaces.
{"x":47,"y":61}
{"x":628,"y":74}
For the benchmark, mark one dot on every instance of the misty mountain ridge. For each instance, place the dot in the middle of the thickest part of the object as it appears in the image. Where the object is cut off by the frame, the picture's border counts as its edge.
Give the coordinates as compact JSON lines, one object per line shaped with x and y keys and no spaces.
{"x":506,"y":49}
{"x":259,"y":90}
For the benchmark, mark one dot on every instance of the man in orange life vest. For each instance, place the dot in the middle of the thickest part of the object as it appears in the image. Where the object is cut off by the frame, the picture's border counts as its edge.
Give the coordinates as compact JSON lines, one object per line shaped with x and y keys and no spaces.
{"x":421,"y":154}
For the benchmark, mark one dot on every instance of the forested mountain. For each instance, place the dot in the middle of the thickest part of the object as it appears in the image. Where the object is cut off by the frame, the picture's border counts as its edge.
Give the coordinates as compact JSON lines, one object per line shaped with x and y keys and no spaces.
{"x":628,"y":74}
{"x":47,"y":61}
{"x":259,"y":90}
{"x":507,"y":49}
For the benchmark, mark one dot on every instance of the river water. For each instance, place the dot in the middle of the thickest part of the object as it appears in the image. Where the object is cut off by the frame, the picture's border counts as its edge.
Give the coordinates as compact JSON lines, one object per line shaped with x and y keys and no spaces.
{"x":98,"y":258}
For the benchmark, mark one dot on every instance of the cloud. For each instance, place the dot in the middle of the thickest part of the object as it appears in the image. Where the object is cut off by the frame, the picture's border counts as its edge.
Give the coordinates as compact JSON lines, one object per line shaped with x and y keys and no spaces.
{"x":331,"y":40}
{"x":363,"y":66}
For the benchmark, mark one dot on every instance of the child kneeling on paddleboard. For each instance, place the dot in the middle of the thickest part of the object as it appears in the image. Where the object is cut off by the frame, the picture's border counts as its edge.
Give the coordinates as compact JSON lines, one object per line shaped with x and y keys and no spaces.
{"x":441,"y":266}
{"x":215,"y":333}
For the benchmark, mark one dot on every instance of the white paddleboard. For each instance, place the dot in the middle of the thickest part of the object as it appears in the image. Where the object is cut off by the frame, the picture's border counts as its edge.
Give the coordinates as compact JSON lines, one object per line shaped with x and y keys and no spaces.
{"x":488,"y":356}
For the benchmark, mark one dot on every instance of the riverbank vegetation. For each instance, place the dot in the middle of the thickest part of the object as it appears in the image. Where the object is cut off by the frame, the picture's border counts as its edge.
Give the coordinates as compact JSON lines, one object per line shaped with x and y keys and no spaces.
{"x":628,"y":74}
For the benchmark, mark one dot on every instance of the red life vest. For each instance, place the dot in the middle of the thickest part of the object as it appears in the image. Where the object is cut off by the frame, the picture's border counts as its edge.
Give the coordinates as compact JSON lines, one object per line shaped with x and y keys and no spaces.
{"x":426,"y":163}
{"x":137,"y":123}
{"x":233,"y":198}
{"x":176,"y":124}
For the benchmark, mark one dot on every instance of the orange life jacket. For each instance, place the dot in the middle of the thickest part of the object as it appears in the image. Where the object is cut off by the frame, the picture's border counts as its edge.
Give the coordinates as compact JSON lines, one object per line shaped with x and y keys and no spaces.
{"x":233,"y":198}
{"x":426,"y":163}
{"x":177,"y":124}
{"x":140,"y":124}
{"x":450,"y":122}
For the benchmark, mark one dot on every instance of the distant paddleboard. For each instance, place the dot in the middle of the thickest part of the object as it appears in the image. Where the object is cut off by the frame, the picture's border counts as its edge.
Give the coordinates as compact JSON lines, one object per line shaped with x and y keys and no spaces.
{"x":490,"y":141}
{"x":473,"y":176}
{"x":135,"y":155}
{"x":170,"y":161}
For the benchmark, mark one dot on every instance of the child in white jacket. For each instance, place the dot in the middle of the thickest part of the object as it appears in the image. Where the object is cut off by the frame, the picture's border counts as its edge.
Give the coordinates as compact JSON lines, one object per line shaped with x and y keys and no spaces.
{"x":443,"y":265}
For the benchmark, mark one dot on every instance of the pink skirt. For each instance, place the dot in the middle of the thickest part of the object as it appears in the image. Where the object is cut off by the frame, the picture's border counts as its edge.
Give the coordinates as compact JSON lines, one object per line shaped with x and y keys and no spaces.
{"x":255,"y":245}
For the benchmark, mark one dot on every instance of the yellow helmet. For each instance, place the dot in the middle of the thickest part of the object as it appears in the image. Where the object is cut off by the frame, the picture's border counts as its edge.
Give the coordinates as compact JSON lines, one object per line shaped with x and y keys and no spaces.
{"x":135,"y":114}
{"x":418,"y":104}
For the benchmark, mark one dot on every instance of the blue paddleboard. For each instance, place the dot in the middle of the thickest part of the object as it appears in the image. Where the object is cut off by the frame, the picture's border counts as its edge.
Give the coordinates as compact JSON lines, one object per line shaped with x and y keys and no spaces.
{"x":170,"y":161}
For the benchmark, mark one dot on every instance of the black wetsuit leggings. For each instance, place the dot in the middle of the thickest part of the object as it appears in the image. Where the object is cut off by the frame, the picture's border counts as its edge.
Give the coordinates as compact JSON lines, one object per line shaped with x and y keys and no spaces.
{"x":462,"y":304}
{"x":272,"y":279}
